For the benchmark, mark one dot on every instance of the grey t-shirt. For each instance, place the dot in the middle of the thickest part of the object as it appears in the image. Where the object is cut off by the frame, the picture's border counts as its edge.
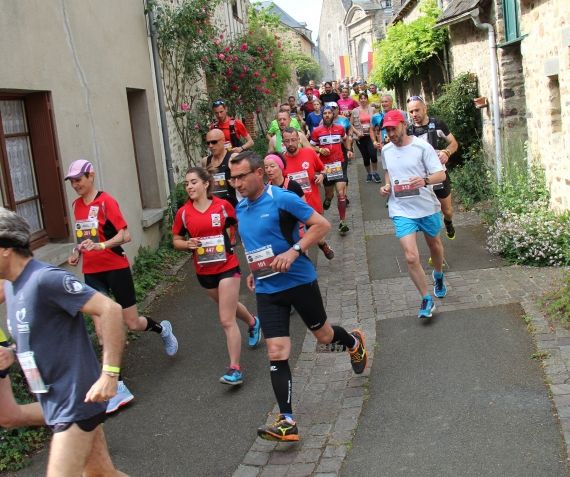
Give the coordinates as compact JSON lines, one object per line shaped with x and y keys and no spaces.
{"x":43,"y":307}
{"x":417,"y":159}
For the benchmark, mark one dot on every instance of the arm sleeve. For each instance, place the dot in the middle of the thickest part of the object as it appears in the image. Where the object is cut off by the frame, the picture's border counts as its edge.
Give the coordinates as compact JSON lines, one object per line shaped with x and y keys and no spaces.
{"x":178,"y":227}
{"x":296,"y":206}
{"x":113,"y":213}
{"x":314,"y":139}
{"x":64,"y":291}
{"x":231,"y":218}
{"x":295,"y":188}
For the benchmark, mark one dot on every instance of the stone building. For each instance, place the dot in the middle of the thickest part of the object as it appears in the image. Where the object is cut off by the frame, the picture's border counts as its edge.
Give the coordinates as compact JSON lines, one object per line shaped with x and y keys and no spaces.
{"x":78,"y":82}
{"x":347,"y":32}
{"x":520,"y":52}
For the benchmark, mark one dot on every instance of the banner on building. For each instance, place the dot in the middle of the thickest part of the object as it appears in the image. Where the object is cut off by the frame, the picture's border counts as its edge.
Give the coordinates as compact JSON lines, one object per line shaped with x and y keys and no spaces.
{"x":370,"y":61}
{"x":344,"y":66}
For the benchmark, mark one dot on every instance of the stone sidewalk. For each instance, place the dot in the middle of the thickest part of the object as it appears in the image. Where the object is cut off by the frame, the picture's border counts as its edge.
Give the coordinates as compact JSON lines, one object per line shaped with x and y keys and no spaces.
{"x":328,"y":397}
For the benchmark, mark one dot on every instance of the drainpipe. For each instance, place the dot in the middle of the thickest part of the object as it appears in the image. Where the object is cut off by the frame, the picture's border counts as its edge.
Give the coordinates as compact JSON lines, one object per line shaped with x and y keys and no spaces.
{"x":495,"y":89}
{"x":161,"y":102}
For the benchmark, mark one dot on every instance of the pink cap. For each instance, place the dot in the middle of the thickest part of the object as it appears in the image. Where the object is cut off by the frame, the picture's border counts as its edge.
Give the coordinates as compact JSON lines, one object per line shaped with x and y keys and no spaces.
{"x":78,"y":168}
{"x":392,"y":118}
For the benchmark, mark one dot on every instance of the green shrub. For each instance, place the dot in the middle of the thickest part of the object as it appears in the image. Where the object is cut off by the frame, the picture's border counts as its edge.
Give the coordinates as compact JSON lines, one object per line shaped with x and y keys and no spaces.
{"x":524,"y":229}
{"x":557,"y":303}
{"x":471,"y":180}
{"x":456,"y":108}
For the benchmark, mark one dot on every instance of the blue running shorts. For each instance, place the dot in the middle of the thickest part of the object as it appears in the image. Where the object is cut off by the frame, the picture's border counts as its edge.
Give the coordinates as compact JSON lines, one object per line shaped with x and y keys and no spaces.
{"x":430,"y":225}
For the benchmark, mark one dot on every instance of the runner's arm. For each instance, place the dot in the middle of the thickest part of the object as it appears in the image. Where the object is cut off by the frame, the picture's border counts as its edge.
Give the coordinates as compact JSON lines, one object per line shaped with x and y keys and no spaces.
{"x":110,"y":315}
{"x":271,"y":147}
{"x":450,"y":149}
{"x":304,"y":140}
{"x":248,"y":145}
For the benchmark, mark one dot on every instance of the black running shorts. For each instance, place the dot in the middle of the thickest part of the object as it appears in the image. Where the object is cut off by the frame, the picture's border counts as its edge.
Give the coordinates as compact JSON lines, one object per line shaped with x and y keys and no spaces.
{"x":445,"y":190}
{"x":274,"y":309}
{"x":119,"y":283}
{"x":209,"y":282}
{"x":86,"y":425}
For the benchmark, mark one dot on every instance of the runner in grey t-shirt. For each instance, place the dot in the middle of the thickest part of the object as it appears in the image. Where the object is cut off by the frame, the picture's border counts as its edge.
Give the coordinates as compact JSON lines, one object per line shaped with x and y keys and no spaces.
{"x":410,"y":165}
{"x":44,"y":309}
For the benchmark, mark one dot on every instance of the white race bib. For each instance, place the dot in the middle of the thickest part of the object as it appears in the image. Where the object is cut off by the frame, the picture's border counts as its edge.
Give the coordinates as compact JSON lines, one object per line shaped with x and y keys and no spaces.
{"x":211,"y":250}
{"x":302,"y":178}
{"x":32,"y":373}
{"x":87,"y":229}
{"x":402,"y":189}
{"x":333,"y":170}
{"x":260,"y":261}
{"x":220,"y":184}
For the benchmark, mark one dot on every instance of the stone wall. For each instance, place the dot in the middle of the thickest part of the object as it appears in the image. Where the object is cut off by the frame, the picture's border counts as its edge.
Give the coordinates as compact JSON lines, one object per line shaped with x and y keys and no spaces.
{"x":546,"y":62}
{"x":332,"y":38}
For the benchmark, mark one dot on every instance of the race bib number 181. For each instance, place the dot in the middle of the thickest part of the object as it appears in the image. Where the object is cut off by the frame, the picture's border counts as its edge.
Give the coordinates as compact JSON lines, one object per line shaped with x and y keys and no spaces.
{"x":260,"y":261}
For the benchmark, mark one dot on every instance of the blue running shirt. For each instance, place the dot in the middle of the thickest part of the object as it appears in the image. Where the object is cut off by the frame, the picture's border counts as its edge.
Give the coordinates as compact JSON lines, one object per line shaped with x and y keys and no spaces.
{"x":259,"y":228}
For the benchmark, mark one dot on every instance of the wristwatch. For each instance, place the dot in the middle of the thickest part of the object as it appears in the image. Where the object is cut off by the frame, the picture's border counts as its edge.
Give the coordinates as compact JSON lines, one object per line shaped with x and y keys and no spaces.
{"x":426,"y":180}
{"x":298,"y":249}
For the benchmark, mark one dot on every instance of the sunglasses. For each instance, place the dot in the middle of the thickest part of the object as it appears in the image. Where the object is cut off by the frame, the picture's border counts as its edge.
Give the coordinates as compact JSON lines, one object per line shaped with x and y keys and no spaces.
{"x":415,"y":98}
{"x":218,"y":102}
{"x":214,"y":141}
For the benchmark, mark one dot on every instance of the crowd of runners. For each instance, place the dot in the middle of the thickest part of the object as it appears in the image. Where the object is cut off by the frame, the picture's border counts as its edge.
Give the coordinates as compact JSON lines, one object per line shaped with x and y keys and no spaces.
{"x":269,"y":209}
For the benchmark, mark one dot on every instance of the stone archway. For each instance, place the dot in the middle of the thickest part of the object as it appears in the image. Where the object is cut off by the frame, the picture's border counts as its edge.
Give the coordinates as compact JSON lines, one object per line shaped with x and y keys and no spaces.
{"x":364,"y":51}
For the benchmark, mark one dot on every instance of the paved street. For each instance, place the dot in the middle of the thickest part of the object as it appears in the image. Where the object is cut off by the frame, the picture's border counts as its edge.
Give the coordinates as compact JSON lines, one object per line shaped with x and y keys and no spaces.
{"x":458,"y":397}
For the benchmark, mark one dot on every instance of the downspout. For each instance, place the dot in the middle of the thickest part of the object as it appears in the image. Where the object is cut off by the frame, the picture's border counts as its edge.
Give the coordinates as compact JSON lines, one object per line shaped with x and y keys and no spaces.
{"x":494,"y":88}
{"x":161,"y":102}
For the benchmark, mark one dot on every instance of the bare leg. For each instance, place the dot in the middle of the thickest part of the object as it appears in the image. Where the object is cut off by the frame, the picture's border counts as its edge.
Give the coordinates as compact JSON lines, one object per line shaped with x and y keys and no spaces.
{"x":244,"y":315}
{"x":415,"y":269}
{"x":13,"y":414}
{"x":436,"y":251}
{"x":446,"y":208}
{"x":132,"y":319}
{"x":99,"y":462}
{"x":69,"y":451}
{"x":226,"y":295}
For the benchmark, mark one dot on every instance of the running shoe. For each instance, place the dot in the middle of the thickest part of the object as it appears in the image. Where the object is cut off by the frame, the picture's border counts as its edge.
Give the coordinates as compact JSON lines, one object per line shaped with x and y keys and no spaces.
{"x":254,"y":334}
{"x":282,"y":430}
{"x":428,"y":306}
{"x":327,"y":250}
{"x":449,"y":229}
{"x":168,"y":338}
{"x":326,"y":204}
{"x":358,"y":357}
{"x":439,"y":288}
{"x":376,"y":178}
{"x":368,"y":177}
{"x":342,"y":228}
{"x":122,"y":398}
{"x":233,"y":377}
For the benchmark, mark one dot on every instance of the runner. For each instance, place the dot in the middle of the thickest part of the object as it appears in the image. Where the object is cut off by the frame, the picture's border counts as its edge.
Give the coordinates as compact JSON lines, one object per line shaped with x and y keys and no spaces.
{"x":274,"y":166}
{"x":217,"y":164}
{"x":283,"y":276}
{"x":431,"y":130}
{"x":235,"y":132}
{"x":410,"y":165}
{"x":276,"y":141}
{"x":45,"y":307}
{"x":327,"y":141}
{"x":360,"y":120}
{"x":201,"y":226}
{"x":100,"y":230}
{"x":304,"y":165}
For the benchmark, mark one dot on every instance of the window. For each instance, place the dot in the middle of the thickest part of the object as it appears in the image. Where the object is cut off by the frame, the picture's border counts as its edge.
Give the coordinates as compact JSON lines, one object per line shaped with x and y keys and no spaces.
{"x":29,"y":175}
{"x":511,"y":18}
{"x":143,"y":148}
{"x":235,"y":11}
{"x":555,"y":104}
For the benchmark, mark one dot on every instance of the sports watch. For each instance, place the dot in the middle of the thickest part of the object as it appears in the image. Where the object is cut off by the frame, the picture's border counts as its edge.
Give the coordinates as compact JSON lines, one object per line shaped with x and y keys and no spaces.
{"x":298,"y":249}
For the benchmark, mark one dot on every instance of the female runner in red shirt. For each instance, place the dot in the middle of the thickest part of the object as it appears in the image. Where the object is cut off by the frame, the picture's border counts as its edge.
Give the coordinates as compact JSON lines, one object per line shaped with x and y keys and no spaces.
{"x":202,"y":226}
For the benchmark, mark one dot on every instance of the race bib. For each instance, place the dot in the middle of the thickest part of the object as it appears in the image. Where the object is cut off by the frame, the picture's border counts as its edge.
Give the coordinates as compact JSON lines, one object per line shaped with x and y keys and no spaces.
{"x":366,"y":129}
{"x":260,"y":261}
{"x":402,"y":189}
{"x":220,"y":184}
{"x":86,"y":229}
{"x":333,"y":170}
{"x":211,"y":250}
{"x":32,"y":373}
{"x":438,"y":186}
{"x":302,"y":178}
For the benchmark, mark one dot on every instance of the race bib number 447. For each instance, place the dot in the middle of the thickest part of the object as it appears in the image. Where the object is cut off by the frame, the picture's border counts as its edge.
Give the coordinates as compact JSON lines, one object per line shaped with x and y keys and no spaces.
{"x":211,"y":250}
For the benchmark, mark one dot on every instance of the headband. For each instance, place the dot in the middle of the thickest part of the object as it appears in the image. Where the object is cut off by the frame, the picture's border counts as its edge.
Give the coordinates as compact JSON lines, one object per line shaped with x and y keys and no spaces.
{"x":275,"y":158}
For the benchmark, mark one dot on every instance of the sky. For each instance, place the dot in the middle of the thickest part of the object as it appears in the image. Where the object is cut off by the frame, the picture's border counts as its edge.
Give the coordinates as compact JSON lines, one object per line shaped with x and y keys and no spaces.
{"x":308,"y":11}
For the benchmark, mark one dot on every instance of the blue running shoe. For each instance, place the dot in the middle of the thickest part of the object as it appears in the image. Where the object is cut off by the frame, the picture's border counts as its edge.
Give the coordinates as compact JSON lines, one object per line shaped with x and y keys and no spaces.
{"x":254,"y":334}
{"x":233,"y":377}
{"x":169,"y":340}
{"x":439,"y":288}
{"x":122,"y":398}
{"x":427,"y":307}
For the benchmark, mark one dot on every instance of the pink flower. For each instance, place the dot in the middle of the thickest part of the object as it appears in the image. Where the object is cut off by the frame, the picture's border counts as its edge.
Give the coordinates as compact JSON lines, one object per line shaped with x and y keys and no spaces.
{"x":229,"y":71}
{"x":263,"y":80}
{"x":273,"y":75}
{"x":222,"y":36}
{"x":221,"y":56}
{"x":243,"y":47}
{"x":241,"y":75}
{"x":245,"y":69}
{"x":184,"y":106}
{"x":234,"y":87}
{"x":256,"y":74}
{"x":226,"y":49}
{"x":217,"y":41}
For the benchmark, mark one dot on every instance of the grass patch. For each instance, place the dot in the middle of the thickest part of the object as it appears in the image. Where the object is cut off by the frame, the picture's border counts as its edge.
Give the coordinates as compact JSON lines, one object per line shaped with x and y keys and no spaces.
{"x":557,"y":303}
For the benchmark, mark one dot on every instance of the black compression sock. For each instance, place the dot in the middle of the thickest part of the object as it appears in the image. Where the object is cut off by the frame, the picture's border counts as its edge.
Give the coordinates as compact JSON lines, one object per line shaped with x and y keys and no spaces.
{"x":152,"y":325}
{"x":343,"y":337}
{"x":282,"y":385}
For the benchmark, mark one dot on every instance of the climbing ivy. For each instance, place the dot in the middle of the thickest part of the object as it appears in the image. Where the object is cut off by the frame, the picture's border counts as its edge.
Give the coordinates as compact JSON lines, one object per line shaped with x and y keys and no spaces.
{"x":408,"y":46}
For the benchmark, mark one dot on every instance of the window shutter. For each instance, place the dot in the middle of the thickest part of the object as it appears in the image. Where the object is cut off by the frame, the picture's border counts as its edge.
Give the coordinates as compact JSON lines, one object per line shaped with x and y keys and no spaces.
{"x":44,"y":151}
{"x":510,"y":15}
